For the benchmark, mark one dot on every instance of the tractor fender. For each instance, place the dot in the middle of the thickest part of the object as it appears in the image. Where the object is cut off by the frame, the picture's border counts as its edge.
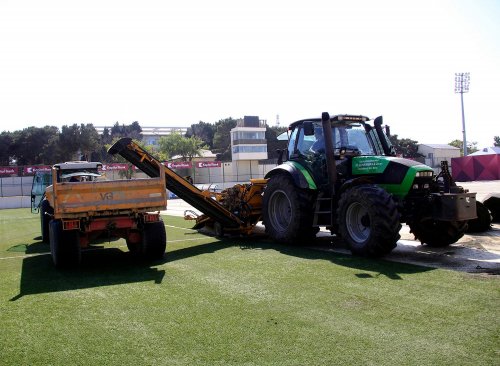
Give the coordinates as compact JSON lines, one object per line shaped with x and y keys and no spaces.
{"x":301,"y":177}
{"x":355,"y":182}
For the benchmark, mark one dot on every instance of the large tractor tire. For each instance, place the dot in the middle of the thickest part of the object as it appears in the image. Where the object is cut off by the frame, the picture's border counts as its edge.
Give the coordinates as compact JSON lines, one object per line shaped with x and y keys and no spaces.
{"x":287,"y":211}
{"x":46,"y":213}
{"x":64,"y":246}
{"x":438,"y":234}
{"x":482,"y":222}
{"x":154,"y":241}
{"x":368,"y":221}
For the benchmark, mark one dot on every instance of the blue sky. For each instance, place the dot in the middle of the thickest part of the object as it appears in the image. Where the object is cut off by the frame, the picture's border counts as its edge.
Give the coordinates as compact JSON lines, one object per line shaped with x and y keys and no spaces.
{"x":168,"y":63}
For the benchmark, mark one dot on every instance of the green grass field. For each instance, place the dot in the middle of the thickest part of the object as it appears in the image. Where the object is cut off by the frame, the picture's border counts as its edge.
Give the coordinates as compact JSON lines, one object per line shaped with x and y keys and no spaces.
{"x":235,"y":302}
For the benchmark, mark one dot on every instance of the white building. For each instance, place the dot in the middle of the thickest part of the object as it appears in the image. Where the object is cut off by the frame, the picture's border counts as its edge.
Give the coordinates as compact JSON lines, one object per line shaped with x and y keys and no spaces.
{"x":151,"y":135}
{"x":434,"y":154}
{"x":493,"y":150}
{"x":248,"y":146}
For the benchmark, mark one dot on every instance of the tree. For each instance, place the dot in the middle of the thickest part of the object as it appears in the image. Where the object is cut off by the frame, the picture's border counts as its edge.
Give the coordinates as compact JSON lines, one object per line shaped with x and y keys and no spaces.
{"x":222,"y":138}
{"x":204,"y":131}
{"x":471,"y":146}
{"x":273,"y":144}
{"x":68,"y":141}
{"x":80,"y":139}
{"x":134,"y":131}
{"x":89,"y":141}
{"x":496,"y":141}
{"x":29,"y":145}
{"x":6,"y":139}
{"x":176,"y":144}
{"x":406,"y":148}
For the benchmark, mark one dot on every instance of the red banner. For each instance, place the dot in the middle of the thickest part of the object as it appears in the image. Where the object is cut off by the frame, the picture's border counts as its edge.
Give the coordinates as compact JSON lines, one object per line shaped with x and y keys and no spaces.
{"x":116,"y":166}
{"x":9,"y":170}
{"x":208,"y":164}
{"x":180,"y":165}
{"x":36,"y":168}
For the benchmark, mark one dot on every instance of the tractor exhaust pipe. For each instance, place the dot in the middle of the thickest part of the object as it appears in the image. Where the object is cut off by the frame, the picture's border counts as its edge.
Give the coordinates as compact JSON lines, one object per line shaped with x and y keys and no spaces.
{"x":329,"y":151}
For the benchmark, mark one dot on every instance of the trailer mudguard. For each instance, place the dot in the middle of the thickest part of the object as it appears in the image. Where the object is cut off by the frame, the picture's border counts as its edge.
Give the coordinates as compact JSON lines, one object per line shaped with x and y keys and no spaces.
{"x":301,"y":177}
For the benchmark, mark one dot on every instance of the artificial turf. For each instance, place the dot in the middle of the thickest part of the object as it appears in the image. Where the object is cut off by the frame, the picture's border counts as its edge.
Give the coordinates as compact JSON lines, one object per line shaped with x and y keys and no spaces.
{"x":235,"y":301}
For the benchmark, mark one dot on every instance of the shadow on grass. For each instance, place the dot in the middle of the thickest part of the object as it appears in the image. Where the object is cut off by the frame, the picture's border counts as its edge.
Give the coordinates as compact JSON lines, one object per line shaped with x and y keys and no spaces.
{"x":112,"y":266}
{"x":320,"y":249}
{"x":101,"y":267}
{"x":34,"y":248}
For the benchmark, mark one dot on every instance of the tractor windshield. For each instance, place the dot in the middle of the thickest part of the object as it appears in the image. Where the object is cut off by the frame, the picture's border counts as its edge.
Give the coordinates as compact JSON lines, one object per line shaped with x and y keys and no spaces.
{"x":352,"y":137}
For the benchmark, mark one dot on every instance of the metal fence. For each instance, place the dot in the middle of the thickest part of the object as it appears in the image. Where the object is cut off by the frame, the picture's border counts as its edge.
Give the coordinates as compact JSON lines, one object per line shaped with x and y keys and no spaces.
{"x":205,"y":178}
{"x":15,"y":186}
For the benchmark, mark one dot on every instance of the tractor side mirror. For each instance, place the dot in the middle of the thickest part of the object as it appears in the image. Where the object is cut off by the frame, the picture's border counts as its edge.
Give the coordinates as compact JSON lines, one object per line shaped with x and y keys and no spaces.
{"x":378,"y":121}
{"x":308,"y":128}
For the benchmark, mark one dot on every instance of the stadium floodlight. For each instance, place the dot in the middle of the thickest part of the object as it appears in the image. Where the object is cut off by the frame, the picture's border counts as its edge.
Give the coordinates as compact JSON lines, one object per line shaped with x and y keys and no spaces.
{"x":462,"y":81}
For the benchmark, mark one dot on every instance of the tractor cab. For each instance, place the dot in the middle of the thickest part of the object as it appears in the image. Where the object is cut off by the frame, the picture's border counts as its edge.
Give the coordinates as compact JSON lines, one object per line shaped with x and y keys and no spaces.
{"x":73,"y":171}
{"x":77,"y":171}
{"x":350,"y":136}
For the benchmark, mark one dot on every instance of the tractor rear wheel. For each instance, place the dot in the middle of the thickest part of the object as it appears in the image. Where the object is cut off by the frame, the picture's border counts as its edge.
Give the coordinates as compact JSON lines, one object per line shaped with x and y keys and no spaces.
{"x":438,"y":233}
{"x":154,"y":240}
{"x":64,"y":246}
{"x":368,"y":221}
{"x":287,"y":211}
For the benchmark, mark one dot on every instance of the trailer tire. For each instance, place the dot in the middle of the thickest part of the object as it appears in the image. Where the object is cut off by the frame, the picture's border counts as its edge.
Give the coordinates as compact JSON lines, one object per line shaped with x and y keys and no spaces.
{"x":482,"y":222}
{"x":288,"y":211}
{"x":154,"y":240}
{"x":368,"y":221}
{"x":134,"y":245}
{"x":436,"y":233}
{"x":64,"y":246}
{"x":45,"y":216}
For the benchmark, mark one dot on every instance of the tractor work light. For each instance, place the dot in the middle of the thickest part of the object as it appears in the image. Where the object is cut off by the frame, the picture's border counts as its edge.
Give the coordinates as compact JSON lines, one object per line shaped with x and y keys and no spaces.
{"x":424,"y":174}
{"x":350,"y":118}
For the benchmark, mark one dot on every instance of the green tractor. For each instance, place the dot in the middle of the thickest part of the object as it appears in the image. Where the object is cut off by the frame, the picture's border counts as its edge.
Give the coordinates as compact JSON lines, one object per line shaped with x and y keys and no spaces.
{"x":341,"y":173}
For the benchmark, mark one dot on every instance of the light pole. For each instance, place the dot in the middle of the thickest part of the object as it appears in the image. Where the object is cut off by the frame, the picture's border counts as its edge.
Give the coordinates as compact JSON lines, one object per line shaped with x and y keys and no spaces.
{"x":462,"y":81}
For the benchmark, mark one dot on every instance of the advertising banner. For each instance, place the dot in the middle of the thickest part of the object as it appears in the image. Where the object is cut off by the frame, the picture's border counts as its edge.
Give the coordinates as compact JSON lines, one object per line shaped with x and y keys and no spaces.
{"x":116,"y":166}
{"x":180,"y":165}
{"x":9,"y":170}
{"x":208,"y":164}
{"x":29,"y":170}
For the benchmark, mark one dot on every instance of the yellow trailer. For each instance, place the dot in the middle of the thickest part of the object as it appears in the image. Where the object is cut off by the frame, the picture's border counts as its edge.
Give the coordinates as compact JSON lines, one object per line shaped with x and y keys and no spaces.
{"x":78,"y":208}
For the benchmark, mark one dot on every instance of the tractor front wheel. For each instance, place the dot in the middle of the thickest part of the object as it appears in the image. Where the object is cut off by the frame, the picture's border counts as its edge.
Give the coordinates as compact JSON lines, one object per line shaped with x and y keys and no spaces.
{"x":368,"y":221}
{"x":288,"y":211}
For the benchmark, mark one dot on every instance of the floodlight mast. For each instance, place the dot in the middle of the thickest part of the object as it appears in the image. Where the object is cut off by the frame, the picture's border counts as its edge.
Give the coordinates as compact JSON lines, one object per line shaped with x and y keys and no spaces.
{"x":462,"y":81}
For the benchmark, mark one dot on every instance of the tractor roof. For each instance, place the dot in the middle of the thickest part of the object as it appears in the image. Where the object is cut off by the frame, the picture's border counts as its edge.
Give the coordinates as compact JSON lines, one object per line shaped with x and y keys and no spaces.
{"x":337,"y":118}
{"x":77,"y":165}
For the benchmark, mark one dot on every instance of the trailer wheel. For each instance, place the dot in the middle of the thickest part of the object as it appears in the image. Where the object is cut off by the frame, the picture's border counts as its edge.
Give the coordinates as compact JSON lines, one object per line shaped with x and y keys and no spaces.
{"x":482,"y":222}
{"x":64,"y":246}
{"x":133,"y":241}
{"x":45,"y":216}
{"x":288,"y":211}
{"x":154,"y":240}
{"x":368,"y":221}
{"x":438,"y":233}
